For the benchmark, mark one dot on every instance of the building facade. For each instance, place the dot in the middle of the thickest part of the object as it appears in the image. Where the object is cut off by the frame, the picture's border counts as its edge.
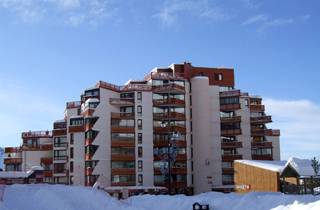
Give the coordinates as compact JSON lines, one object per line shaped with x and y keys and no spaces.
{"x":183,"y":122}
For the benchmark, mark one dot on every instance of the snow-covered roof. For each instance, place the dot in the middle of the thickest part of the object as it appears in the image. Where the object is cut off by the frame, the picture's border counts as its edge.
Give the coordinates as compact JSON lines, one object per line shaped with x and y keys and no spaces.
{"x":301,"y":166}
{"x":276,"y":166}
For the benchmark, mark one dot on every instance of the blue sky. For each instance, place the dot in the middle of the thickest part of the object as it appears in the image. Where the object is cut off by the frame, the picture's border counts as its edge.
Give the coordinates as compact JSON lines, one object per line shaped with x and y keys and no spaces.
{"x":50,"y":50}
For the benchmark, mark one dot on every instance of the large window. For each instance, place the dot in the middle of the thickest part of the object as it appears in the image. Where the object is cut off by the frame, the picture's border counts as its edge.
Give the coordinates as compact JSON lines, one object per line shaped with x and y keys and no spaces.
{"x":230,"y":100}
{"x":76,"y":121}
{"x":123,"y":178}
{"x":121,"y":164}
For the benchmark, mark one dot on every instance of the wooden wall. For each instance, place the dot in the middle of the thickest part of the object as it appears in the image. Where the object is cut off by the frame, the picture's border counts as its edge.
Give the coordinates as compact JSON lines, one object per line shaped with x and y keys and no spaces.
{"x":259,"y":180}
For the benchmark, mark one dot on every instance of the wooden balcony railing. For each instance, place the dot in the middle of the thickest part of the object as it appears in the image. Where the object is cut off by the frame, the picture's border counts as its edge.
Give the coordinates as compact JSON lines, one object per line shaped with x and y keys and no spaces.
{"x":76,"y":128}
{"x":12,"y":149}
{"x":121,"y":143}
{"x":230,"y":93}
{"x":36,"y":134}
{"x":122,"y":129}
{"x":121,"y":101}
{"x":59,"y":132}
{"x":170,"y":129}
{"x":231,"y":132}
{"x":122,"y":157}
{"x":169,"y":102}
{"x":234,"y":144}
{"x":261,"y":119}
{"x":229,"y":107}
{"x":165,"y":143}
{"x":233,"y":119}
{"x":170,"y":115}
{"x":262,"y":157}
{"x":122,"y":115}
{"x":231,"y":157}
{"x":12,"y":161}
{"x":257,"y":107}
{"x":264,"y":144}
{"x":227,"y":171}
{"x":123,"y":171}
{"x":46,"y":160}
{"x":172,"y":88}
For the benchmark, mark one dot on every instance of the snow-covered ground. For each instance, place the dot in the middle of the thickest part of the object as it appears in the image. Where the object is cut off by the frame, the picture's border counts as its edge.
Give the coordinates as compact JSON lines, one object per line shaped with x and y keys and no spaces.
{"x":58,"y":197}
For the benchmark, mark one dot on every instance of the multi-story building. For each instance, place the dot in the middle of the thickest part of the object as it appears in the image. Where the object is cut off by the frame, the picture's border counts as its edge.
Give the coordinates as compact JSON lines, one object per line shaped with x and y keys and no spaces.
{"x":193,"y":116}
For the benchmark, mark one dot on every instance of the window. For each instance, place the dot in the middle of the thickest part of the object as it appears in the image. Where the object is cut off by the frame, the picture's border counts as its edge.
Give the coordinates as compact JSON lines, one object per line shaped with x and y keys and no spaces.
{"x":218,"y":76}
{"x":79,"y":111}
{"x":139,"y":138}
{"x":76,"y":121}
{"x":140,"y":124}
{"x":139,"y":109}
{"x":140,"y":165}
{"x":139,"y":152}
{"x":140,"y":178}
{"x":71,"y":152}
{"x":71,"y":138}
{"x":229,"y":100}
{"x":139,"y":96}
{"x":71,"y":166}
{"x":121,"y":164}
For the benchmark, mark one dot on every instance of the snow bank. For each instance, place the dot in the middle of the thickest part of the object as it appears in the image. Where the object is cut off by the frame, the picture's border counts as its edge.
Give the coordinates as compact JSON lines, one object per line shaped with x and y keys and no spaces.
{"x":59,"y":197}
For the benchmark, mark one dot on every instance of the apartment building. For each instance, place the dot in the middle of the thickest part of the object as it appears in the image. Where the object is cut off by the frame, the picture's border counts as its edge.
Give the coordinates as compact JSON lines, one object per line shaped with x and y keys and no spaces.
{"x":36,"y":150}
{"x":121,"y":136}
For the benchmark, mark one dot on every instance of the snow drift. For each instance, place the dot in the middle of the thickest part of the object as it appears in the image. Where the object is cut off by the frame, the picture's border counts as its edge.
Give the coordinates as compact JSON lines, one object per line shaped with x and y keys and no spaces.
{"x":59,"y":197}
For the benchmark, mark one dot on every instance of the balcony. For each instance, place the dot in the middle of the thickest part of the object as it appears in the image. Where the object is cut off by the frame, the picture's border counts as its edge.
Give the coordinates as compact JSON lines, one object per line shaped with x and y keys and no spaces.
{"x":233,"y":119}
{"x":76,"y":128}
{"x":12,"y":149}
{"x":169,"y":102}
{"x":121,"y":101}
{"x":88,"y":112}
{"x":122,"y":157}
{"x":47,"y":173}
{"x":229,"y":107}
{"x":264,"y":144}
{"x":123,"y":184}
{"x":169,"y":88}
{"x":228,"y":145}
{"x":257,"y":108}
{"x":88,"y":157}
{"x":88,"y":171}
{"x":46,"y":160}
{"x":165,"y":143}
{"x":169,"y":116}
{"x":59,"y":132}
{"x":262,"y":157}
{"x":261,"y":120}
{"x":121,"y":143}
{"x":174,"y":170}
{"x":227,"y":171}
{"x":231,"y":132}
{"x":73,"y":105}
{"x":231,"y":157}
{"x":8,"y":161}
{"x":42,"y":147}
{"x":271,"y":132}
{"x":170,"y":129}
{"x":231,"y":93}
{"x":60,"y":172}
{"x":164,"y":76}
{"x":122,"y":115}
{"x":180,"y":157}
{"x":36,"y":134}
{"x":122,"y":129}
{"x":123,"y":171}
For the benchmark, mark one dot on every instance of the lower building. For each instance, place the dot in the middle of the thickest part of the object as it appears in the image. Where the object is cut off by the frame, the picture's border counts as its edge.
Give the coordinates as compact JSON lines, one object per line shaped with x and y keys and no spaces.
{"x":295,"y":176}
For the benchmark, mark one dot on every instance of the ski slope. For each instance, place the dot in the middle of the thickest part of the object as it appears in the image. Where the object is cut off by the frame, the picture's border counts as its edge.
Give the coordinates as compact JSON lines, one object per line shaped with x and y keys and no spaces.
{"x":59,"y":197}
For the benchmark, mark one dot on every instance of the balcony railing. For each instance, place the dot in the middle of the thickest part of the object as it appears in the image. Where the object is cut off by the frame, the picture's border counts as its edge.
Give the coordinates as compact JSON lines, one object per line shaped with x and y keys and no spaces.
{"x":37,"y":134}
{"x":231,"y":119}
{"x":170,"y":129}
{"x":264,"y":132}
{"x":169,"y":88}
{"x":73,"y":104}
{"x":62,"y":144}
{"x":230,"y":93}
{"x":123,"y":171}
{"x":165,"y":143}
{"x":76,"y":128}
{"x":265,"y":144}
{"x":170,"y":115}
{"x":262,"y":157}
{"x":59,"y":132}
{"x":229,"y":107}
{"x":231,"y":157}
{"x":61,"y":158}
{"x":120,"y":143}
{"x":122,"y":129}
{"x":121,"y":101}
{"x":12,"y":161}
{"x":47,"y":173}
{"x":46,"y":160}
{"x":231,"y":132}
{"x":60,"y":171}
{"x":227,"y":171}
{"x":164,"y":76}
{"x":12,"y":149}
{"x":122,"y":157}
{"x":42,"y":147}
{"x":261,"y":119}
{"x":257,"y":107}
{"x":169,"y":102}
{"x":122,"y":115}
{"x":271,"y":132}
{"x":234,"y":144}
{"x":174,"y":170}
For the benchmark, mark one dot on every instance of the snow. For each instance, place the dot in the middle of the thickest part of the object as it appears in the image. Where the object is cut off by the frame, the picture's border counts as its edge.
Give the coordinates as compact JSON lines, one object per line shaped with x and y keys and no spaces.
{"x":276,"y":166}
{"x":13,"y":174}
{"x":60,"y":197}
{"x":302,"y":166}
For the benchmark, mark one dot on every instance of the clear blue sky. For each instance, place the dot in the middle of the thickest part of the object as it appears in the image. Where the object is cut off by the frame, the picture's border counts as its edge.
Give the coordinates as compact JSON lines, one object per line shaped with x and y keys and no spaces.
{"x":50,"y":50}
